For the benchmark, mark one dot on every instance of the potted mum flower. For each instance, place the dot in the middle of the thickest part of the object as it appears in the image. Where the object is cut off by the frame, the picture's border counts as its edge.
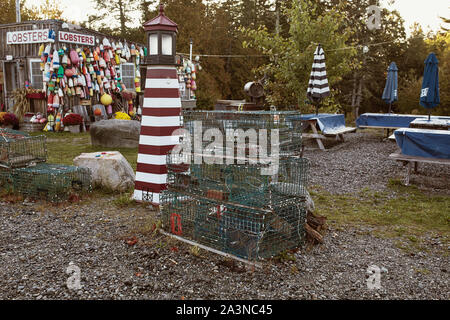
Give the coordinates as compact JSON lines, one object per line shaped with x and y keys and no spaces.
{"x":121,"y":116}
{"x":9,"y":120}
{"x":2,"y":114}
{"x":73,"y":122}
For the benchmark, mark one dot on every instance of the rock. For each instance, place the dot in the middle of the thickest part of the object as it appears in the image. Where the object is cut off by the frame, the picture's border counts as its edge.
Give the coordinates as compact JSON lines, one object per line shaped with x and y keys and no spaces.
{"x":109,"y":169}
{"x":115,"y":133}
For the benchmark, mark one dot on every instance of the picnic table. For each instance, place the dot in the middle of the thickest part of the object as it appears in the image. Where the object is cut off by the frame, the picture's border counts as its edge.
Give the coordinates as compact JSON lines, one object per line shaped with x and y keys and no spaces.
{"x":330,"y":125}
{"x":434,"y":124}
{"x":421,"y":145}
{"x":391,"y":121}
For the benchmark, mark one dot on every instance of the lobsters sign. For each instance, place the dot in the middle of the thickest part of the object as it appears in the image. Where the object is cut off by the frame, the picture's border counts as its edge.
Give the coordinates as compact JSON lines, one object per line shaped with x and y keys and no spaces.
{"x":27,"y":36}
{"x":42,"y":35}
{"x":84,"y":39}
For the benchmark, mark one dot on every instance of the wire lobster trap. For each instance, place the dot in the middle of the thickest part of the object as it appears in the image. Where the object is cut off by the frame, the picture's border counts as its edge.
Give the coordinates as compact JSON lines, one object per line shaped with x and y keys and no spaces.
{"x":246,"y":232}
{"x":239,"y":198}
{"x":18,"y":149}
{"x":248,"y":184}
{"x":43,"y":181}
{"x":249,"y":126}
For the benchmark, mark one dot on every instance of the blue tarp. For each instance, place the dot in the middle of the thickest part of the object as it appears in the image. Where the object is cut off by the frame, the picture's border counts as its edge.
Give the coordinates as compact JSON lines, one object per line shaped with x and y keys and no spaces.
{"x":328,"y":123}
{"x":391,"y":120}
{"x":423,"y":142}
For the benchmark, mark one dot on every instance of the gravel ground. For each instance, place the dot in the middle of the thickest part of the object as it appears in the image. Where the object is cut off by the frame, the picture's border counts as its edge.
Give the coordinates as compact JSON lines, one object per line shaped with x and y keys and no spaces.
{"x":120,"y":258}
{"x":362,"y":161}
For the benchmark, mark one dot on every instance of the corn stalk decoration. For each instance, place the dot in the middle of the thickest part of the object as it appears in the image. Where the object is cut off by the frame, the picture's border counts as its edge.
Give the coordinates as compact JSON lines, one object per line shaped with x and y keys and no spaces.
{"x":21,"y":103}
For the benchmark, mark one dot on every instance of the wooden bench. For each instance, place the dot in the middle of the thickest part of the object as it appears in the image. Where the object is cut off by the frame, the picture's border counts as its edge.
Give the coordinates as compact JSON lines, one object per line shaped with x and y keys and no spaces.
{"x":339,"y":134}
{"x":409,"y":161}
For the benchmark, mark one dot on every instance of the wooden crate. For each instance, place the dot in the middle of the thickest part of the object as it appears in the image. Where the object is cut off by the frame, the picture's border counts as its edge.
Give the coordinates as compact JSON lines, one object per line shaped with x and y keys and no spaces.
{"x":38,"y":105}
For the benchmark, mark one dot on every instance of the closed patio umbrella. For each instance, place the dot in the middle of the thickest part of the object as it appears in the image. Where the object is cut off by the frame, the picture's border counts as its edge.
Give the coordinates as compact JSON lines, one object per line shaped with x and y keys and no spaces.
{"x":318,"y":87}
{"x":391,"y":87}
{"x":429,"y":95}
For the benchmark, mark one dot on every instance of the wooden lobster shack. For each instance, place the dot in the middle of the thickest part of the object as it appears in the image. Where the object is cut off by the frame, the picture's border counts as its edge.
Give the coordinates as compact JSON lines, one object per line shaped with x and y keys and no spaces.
{"x":23,"y":65}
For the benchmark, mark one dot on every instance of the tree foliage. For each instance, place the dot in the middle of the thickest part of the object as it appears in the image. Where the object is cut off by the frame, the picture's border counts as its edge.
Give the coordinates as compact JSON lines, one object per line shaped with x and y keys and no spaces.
{"x":362,"y":86}
{"x":445,"y":21}
{"x":47,"y":10}
{"x":291,"y":57}
{"x":244,"y":40}
{"x":8,"y":11}
{"x":410,"y":80}
{"x":117,"y":11}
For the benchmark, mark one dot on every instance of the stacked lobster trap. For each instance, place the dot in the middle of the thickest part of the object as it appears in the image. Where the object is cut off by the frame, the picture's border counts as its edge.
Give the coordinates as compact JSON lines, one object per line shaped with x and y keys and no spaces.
{"x":250,"y":209}
{"x":24,"y":170}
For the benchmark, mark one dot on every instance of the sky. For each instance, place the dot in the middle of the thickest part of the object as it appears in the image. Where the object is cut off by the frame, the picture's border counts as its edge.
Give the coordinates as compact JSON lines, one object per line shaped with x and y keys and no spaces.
{"x":426,"y":12}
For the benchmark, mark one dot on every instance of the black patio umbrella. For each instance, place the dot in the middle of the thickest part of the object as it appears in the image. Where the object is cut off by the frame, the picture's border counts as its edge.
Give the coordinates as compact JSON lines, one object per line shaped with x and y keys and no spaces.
{"x":318,"y":83}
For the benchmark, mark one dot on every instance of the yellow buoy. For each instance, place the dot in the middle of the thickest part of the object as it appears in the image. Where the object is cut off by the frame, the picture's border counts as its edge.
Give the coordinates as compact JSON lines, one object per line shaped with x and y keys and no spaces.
{"x":106,"y":99}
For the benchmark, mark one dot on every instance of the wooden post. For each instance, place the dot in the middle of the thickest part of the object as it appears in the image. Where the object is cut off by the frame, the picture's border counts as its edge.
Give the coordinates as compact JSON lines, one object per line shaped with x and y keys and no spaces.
{"x":312,"y":123}
{"x":18,"y":18}
{"x":408,"y":173}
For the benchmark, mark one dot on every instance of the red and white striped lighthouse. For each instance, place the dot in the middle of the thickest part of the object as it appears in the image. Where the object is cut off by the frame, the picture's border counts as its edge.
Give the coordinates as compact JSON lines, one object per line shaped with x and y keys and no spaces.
{"x":160,"y":111}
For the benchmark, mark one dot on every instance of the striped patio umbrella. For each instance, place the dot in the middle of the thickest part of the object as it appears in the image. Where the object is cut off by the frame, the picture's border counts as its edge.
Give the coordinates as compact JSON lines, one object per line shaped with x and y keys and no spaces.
{"x":318,"y":83}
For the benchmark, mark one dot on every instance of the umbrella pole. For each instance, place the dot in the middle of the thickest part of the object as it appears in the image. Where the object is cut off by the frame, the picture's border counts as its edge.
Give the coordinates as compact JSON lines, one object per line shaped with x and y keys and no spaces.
{"x":429,"y":114}
{"x":390,"y":107}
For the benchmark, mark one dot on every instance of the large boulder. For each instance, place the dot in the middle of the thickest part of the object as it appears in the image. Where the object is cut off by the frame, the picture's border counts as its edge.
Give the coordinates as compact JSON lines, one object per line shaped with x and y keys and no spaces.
{"x":115,"y":133}
{"x":109,"y":169}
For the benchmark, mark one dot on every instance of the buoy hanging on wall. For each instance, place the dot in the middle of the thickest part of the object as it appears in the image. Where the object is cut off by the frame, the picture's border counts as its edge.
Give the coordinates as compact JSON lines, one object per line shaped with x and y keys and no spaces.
{"x":106,"y":99}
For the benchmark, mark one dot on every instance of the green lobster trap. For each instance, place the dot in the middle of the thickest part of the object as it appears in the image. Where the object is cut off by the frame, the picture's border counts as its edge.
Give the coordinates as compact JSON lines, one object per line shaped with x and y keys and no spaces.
{"x":18,"y":149}
{"x":249,"y":125}
{"x":246,"y":232}
{"x":43,"y":181}
{"x":235,"y":200}
{"x":245,"y":184}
